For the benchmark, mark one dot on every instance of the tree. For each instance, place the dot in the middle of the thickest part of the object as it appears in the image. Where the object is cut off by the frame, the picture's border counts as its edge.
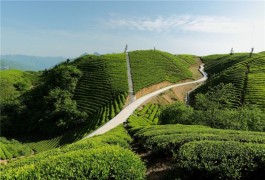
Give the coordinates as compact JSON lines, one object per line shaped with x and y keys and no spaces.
{"x":62,"y":110}
{"x":64,"y":77}
{"x":176,"y":113}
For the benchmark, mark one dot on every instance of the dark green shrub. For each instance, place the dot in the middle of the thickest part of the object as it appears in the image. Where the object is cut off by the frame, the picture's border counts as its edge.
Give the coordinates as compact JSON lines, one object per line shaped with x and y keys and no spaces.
{"x":176,"y":113}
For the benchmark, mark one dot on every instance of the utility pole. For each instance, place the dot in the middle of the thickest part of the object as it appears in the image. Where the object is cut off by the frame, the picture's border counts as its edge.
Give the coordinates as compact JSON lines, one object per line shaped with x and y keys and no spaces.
{"x":251,"y":52}
{"x":125,"y":49}
{"x":232,"y":51}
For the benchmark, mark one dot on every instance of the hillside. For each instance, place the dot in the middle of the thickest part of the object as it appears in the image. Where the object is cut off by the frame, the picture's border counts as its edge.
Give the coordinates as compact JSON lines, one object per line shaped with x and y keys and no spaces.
{"x":247,"y":75}
{"x":84,"y":93}
{"x":151,"y":67}
{"x":103,"y":87}
{"x":218,"y":138}
{"x":88,"y":92}
{"x":28,"y":63}
{"x":14,"y":83}
{"x":12,"y":149}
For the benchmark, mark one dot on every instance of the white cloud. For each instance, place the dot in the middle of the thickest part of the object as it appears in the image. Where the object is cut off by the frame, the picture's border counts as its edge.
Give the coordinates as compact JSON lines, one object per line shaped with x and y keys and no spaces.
{"x":186,"y":23}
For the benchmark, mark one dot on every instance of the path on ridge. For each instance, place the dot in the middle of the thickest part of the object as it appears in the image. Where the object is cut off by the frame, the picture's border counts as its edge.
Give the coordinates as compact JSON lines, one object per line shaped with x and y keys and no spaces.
{"x":128,"y":110}
{"x":130,"y":83}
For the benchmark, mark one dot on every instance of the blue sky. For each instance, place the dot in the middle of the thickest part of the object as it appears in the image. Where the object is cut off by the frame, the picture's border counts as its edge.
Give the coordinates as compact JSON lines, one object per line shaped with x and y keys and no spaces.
{"x":68,"y":28}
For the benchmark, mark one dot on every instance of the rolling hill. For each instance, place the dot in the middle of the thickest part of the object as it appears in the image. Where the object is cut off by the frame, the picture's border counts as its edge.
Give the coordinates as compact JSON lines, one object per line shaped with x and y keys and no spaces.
{"x":102,"y":90}
{"x":89,"y":91}
{"x":86,"y":92}
{"x":157,"y":142}
{"x":246,"y":74}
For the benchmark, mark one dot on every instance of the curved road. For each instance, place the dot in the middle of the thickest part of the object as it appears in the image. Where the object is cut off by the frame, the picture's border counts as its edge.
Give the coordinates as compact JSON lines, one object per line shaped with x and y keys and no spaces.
{"x":128,"y":110}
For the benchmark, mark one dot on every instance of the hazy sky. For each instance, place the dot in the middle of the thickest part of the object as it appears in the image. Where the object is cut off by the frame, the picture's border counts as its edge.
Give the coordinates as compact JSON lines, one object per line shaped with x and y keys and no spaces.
{"x":68,"y":28}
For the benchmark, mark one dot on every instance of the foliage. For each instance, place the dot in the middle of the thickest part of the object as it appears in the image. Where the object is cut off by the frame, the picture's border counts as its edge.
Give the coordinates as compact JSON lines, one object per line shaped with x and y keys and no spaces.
{"x":12,"y":149}
{"x":64,"y":77}
{"x":104,"y":163}
{"x":63,"y":110}
{"x":47,"y":108}
{"x":45,"y":145}
{"x":14,"y":83}
{"x":248,"y":118}
{"x":214,"y":109}
{"x":245,"y":73}
{"x":176,"y":113}
{"x":202,"y":152}
{"x":222,"y":160}
{"x":168,"y":138}
{"x":61,"y":96}
{"x":217,"y":97}
{"x":99,"y":157}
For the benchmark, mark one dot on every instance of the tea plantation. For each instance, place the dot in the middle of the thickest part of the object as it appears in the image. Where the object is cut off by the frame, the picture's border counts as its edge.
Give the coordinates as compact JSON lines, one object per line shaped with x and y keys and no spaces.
{"x":11,"y":149}
{"x":102,"y":90}
{"x":101,"y":157}
{"x":84,"y":93}
{"x":245,"y":73}
{"x":202,"y":152}
{"x":217,"y":138}
{"x":150,"y":67}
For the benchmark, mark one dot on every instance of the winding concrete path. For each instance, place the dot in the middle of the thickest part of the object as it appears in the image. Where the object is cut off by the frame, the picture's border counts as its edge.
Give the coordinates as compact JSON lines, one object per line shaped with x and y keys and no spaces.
{"x":128,"y":110}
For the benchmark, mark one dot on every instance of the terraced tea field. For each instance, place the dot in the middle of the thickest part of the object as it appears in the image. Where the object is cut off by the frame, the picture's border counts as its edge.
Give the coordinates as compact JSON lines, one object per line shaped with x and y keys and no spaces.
{"x":102,"y":90}
{"x":11,"y":149}
{"x":202,"y":152}
{"x":152,"y":67}
{"x":101,"y":157}
{"x":245,"y":73}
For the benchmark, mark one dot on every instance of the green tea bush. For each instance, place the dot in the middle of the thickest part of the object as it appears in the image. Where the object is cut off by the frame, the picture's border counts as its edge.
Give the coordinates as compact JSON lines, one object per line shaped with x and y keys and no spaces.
{"x":110,"y":162}
{"x":12,"y":149}
{"x":169,"y":138}
{"x":222,"y":160}
{"x":101,"y":157}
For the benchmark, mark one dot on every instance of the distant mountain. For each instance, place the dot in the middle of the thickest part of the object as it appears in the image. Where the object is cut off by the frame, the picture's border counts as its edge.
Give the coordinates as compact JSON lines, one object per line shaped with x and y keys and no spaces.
{"x":29,"y":63}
